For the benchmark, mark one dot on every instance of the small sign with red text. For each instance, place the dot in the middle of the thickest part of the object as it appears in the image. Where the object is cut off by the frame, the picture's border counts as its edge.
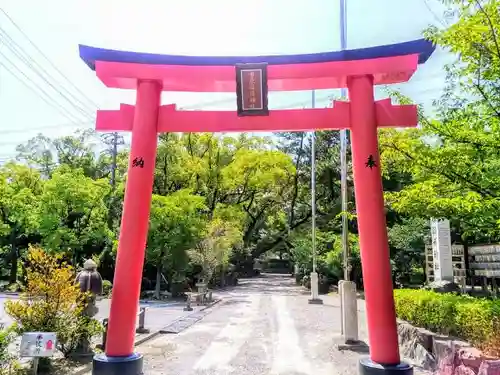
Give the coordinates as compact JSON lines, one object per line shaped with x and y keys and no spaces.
{"x":38,"y":344}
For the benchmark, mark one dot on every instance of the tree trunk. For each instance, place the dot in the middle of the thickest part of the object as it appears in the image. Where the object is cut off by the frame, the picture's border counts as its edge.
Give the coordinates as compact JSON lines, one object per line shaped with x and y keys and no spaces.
{"x":159,"y":269}
{"x":222,"y":277}
{"x":13,"y":257}
{"x":158,"y":281}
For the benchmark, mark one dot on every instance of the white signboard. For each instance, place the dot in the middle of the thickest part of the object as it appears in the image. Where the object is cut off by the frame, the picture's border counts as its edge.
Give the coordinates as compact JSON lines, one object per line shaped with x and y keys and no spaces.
{"x":441,"y":250}
{"x":484,"y":249}
{"x":38,"y":344}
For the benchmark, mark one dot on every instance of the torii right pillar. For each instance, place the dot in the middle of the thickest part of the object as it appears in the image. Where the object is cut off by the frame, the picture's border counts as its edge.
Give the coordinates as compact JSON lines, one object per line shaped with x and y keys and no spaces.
{"x":364,"y":119}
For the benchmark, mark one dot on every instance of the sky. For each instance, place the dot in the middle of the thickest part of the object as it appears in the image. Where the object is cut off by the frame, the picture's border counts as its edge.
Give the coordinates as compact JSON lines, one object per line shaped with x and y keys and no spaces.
{"x":187,"y":27}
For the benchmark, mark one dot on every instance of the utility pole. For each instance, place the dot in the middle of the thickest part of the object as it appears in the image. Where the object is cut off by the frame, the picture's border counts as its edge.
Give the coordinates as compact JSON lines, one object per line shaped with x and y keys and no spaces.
{"x":113,"y":140}
{"x":113,"y":159}
{"x":314,"y":275}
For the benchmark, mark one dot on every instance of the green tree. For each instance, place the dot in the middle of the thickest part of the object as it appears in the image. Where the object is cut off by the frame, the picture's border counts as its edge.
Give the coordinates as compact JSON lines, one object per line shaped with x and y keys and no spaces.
{"x":453,"y":158}
{"x":77,"y":151}
{"x":329,"y":255}
{"x":259,"y":181}
{"x":73,"y":214}
{"x":215,"y":247}
{"x":173,"y":169}
{"x":176,"y":224}
{"x":20,"y":187}
{"x":407,"y":240}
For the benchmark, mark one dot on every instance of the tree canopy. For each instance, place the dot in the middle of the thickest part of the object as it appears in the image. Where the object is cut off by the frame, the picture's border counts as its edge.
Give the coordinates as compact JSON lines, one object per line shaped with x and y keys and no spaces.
{"x":450,"y":163}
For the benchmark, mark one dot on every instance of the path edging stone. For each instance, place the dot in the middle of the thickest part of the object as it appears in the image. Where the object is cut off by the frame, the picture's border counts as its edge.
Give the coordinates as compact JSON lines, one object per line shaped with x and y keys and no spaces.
{"x":152,"y":335}
{"x":177,"y":325}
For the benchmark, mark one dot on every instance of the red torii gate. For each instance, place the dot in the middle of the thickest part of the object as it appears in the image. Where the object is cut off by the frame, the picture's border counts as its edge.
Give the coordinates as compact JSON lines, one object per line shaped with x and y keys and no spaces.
{"x":358,"y":70}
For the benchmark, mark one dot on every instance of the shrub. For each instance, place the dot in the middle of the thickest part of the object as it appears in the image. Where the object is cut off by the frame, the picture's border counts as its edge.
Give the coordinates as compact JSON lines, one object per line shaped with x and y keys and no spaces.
{"x":476,"y":319}
{"x":298,"y":278}
{"x":306,"y":282}
{"x":52,"y":302}
{"x":426,"y":309}
{"x":107,"y":286}
{"x":14,"y":288}
{"x":8,"y":363}
{"x":472,"y":319}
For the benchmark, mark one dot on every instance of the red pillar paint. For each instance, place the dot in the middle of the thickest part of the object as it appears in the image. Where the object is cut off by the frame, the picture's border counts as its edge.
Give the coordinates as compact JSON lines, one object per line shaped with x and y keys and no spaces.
{"x":135,"y":222}
{"x":377,"y":280}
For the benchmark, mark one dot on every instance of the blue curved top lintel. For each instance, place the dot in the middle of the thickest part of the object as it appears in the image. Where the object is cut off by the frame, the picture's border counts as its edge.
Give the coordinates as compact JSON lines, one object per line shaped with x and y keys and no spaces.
{"x":422,"y":47}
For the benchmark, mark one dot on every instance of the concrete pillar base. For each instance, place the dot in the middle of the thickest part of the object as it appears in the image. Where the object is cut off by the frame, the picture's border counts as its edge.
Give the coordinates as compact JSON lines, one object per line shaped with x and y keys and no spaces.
{"x":355,"y":346}
{"x":340,"y":288}
{"x":315,"y":289}
{"x":317,"y":301}
{"x":349,"y":310}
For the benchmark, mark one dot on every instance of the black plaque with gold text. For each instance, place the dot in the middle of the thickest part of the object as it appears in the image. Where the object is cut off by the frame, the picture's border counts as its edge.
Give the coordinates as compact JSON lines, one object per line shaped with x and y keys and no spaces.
{"x":251,"y":89}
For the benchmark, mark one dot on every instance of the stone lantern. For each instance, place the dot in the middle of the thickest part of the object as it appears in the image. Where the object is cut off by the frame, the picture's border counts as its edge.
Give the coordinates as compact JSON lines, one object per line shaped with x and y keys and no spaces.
{"x":90,"y":281}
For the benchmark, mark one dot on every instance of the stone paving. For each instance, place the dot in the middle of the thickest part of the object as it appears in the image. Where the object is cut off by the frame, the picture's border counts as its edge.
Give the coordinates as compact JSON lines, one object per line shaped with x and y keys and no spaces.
{"x":158,"y":314}
{"x":264,"y":326}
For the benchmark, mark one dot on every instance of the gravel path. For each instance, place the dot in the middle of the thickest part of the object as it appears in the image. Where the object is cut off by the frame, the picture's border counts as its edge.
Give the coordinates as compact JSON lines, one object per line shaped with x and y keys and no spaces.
{"x":265,"y":326}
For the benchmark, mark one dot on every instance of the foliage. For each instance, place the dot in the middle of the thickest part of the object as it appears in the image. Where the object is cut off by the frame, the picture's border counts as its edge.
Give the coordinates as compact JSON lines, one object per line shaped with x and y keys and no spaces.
{"x":8,"y":363}
{"x":62,"y":200}
{"x":20,"y":188}
{"x":330,"y":256}
{"x":452,"y":159}
{"x":472,"y":319}
{"x":176,"y":224}
{"x":215,"y":248}
{"x":407,"y":239}
{"x":52,"y":302}
{"x":73,"y":213}
{"x":107,"y":287}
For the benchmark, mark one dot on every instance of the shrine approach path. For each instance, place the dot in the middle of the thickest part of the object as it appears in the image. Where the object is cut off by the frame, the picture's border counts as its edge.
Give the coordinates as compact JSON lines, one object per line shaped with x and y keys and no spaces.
{"x":263,"y":326}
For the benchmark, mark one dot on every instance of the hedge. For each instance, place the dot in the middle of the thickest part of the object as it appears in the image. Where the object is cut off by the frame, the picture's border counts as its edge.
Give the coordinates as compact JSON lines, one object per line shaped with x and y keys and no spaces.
{"x":472,"y":319}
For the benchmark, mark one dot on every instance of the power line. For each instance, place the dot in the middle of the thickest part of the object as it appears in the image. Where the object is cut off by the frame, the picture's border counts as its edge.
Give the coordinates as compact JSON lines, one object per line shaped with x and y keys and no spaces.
{"x":37,"y":128}
{"x":436,"y":17}
{"x":65,"y":125}
{"x":14,"y":131}
{"x":47,"y":59}
{"x":19,"y":52}
{"x":229,"y":100}
{"x":53,"y":104}
{"x":39,"y":71}
{"x":14,"y":47}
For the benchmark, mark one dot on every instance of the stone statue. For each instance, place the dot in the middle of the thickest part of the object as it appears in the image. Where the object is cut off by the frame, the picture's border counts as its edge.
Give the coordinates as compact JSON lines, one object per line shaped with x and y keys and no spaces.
{"x":90,"y":281}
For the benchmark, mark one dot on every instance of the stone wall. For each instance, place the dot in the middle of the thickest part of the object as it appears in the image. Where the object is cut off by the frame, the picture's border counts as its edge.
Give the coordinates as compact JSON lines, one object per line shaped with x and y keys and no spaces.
{"x":443,"y":355}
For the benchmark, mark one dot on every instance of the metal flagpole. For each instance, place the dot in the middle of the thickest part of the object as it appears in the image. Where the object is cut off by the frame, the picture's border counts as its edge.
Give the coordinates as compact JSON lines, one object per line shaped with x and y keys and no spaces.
{"x":343,"y":154}
{"x":313,"y":186}
{"x":347,"y":289}
{"x":314,"y":275}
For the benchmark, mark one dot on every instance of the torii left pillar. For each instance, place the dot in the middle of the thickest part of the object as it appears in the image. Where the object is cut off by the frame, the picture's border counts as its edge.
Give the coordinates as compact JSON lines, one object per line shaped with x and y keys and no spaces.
{"x":119,"y":357}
